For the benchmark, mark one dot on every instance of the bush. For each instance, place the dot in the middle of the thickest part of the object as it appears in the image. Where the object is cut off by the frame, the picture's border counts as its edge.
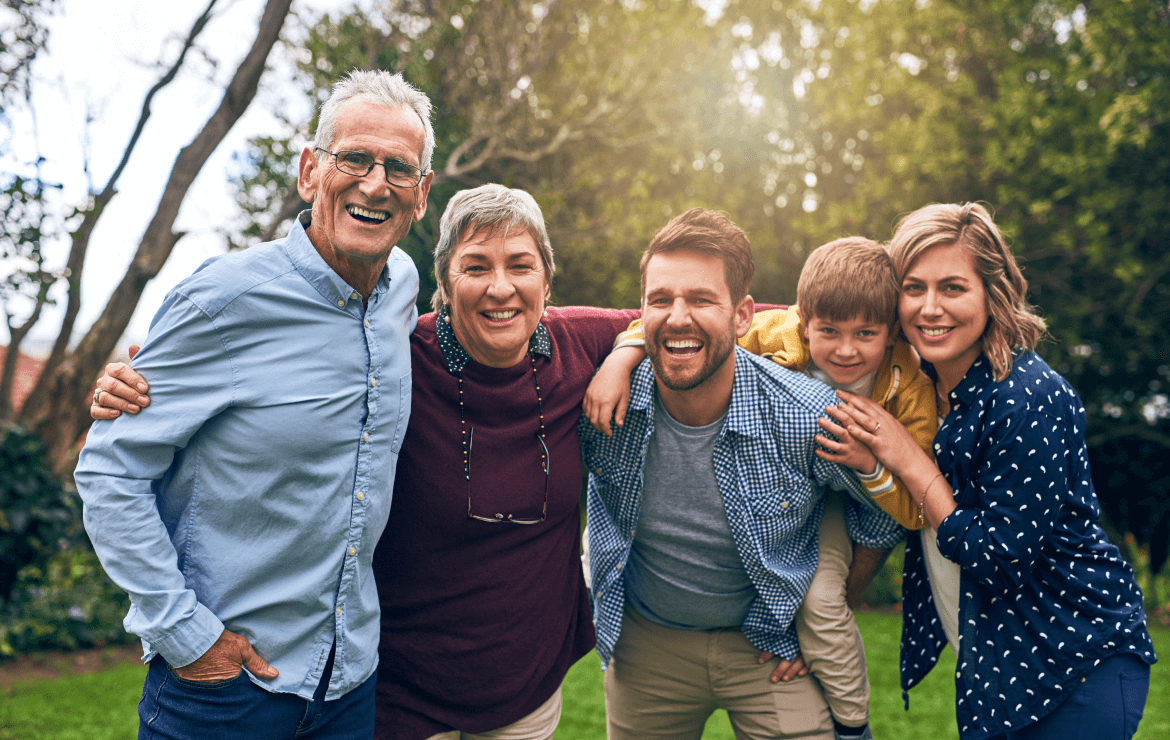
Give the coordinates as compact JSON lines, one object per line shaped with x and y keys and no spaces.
{"x":68,"y":604}
{"x":53,"y":592}
{"x":38,"y":517}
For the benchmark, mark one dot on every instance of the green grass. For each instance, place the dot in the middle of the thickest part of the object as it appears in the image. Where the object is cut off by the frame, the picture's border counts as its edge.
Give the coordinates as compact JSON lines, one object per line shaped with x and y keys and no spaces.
{"x":103,"y":706}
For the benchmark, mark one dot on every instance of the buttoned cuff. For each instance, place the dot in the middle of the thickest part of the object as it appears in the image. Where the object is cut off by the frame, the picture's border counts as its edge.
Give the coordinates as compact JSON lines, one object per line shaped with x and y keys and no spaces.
{"x":188,"y":641}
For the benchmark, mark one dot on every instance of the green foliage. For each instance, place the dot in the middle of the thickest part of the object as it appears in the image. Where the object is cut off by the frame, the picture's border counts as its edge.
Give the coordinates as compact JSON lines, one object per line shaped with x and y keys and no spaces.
{"x":67,"y":604}
{"x":38,"y":517}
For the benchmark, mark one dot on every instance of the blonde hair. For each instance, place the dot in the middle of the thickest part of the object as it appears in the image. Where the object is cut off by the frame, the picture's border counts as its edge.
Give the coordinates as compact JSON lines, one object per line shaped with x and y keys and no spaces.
{"x":847,"y":278}
{"x":1012,"y":323}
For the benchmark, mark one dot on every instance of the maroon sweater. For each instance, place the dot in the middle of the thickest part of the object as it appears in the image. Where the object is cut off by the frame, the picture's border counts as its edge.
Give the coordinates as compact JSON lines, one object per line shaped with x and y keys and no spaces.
{"x":480,"y":621}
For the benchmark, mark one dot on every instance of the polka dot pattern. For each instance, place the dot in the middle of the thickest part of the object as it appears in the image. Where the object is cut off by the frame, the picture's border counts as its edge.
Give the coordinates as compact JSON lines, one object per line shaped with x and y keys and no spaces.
{"x":1044,"y":595}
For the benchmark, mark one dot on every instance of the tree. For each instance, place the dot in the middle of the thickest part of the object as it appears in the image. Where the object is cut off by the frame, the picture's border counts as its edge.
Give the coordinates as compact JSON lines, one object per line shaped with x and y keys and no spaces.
{"x":55,"y":408}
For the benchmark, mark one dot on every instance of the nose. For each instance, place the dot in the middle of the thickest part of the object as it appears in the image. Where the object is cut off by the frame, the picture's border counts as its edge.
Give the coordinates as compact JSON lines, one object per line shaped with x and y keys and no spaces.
{"x":500,"y":287}
{"x":374,"y":184}
{"x":930,"y":303}
{"x":846,"y":348}
{"x":680,"y":314}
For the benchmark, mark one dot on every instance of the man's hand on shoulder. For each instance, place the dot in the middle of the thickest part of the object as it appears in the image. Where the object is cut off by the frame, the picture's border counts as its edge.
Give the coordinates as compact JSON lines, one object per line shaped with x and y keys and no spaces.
{"x":224,"y":659}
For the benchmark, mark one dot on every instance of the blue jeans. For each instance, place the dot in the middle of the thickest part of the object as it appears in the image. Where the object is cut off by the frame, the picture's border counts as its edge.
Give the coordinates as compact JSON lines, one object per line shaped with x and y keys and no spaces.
{"x":1107,"y":705}
{"x":173,"y":708}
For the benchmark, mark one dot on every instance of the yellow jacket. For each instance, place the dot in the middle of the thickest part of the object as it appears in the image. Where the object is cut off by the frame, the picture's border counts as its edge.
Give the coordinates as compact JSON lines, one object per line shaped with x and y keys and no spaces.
{"x":899,"y":386}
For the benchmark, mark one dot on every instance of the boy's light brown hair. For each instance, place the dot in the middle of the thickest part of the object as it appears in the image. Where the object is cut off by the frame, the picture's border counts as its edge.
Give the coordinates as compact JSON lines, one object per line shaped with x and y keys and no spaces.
{"x":846,"y":279}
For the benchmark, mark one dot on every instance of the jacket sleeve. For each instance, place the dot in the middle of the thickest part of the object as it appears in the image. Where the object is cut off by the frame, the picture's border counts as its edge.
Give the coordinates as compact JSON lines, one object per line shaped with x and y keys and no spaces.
{"x":915,"y":408}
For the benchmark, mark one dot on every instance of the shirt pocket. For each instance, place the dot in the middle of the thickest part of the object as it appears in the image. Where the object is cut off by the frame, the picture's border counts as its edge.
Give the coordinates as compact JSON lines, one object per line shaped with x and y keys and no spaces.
{"x":787,"y":496}
{"x":403,"y":416}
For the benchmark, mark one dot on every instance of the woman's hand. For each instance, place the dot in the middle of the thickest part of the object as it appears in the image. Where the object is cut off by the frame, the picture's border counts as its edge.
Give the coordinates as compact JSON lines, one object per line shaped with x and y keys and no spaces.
{"x":120,"y":389}
{"x":608,"y":394}
{"x":897,"y":450}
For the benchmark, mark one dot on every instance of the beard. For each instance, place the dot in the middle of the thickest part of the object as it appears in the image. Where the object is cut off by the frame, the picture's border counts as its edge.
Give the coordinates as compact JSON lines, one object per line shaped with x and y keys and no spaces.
{"x":717,"y":349}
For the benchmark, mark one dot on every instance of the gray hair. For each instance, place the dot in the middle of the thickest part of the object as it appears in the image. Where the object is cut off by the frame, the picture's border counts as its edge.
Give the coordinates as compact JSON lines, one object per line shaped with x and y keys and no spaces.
{"x":381,"y":88}
{"x":492,"y":207}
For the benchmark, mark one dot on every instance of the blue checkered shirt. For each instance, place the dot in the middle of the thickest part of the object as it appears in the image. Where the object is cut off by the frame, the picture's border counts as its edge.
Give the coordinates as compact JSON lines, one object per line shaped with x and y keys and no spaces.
{"x":771,"y":482}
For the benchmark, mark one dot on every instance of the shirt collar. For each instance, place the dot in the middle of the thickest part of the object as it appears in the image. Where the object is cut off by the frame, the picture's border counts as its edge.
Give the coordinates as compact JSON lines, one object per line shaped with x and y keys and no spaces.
{"x":744,"y":416}
{"x":317,"y":271}
{"x":978,"y":377}
{"x":457,"y":357}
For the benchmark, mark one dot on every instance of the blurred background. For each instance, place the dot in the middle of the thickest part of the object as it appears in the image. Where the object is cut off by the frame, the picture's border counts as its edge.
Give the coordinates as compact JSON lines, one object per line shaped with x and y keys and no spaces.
{"x":137,"y":142}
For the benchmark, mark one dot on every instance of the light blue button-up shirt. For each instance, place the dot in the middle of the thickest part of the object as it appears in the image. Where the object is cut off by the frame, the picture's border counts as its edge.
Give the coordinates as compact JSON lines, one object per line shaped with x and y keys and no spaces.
{"x":771,"y":482}
{"x":251,"y":493}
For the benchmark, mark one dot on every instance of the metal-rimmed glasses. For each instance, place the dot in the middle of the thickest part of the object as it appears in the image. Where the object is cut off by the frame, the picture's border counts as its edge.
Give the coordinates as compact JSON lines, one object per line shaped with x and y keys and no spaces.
{"x":508,"y":518}
{"x":359,"y":164}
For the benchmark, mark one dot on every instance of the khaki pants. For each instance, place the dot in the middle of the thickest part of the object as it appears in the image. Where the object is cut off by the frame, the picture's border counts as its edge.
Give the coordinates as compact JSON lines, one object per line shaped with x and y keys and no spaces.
{"x":539,"y":725}
{"x":829,"y":639}
{"x":664,"y":683}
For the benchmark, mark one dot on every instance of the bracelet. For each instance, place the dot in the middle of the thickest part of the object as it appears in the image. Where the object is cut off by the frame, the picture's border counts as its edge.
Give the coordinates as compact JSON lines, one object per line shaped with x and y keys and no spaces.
{"x":925,"y":491}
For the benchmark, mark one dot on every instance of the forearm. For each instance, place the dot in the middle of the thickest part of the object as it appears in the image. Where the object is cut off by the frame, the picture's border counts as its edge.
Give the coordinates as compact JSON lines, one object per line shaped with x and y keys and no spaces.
{"x":867,"y":561}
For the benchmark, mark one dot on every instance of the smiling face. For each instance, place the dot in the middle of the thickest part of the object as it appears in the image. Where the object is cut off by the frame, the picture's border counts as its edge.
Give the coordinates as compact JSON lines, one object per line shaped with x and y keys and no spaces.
{"x":690,"y":322}
{"x":358,"y":220}
{"x":943,"y":309}
{"x":496,"y":287}
{"x":846,"y":350}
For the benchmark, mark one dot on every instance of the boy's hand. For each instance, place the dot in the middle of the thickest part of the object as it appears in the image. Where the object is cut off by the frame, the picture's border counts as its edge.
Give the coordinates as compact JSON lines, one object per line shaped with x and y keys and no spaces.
{"x":846,"y":449}
{"x":608,"y":395}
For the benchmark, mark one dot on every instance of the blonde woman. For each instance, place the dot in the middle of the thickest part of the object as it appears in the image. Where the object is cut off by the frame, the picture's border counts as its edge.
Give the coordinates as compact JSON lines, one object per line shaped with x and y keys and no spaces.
{"x":1014,"y":572}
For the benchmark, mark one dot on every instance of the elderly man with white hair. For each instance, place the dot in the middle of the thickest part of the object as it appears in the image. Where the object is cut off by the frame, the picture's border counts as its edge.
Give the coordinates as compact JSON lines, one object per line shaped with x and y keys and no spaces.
{"x":242,"y":516}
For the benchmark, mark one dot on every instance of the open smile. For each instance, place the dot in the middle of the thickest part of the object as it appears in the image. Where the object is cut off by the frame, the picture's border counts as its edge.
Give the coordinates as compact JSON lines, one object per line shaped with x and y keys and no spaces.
{"x":682,"y":347}
{"x":367,"y":216}
{"x":500,"y":316}
{"x":935,"y":333}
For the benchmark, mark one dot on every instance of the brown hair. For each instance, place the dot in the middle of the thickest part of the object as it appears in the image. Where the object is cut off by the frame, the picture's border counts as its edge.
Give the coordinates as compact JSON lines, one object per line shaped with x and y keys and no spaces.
{"x":1012,"y":322}
{"x":848,"y":278}
{"x":713,"y":234}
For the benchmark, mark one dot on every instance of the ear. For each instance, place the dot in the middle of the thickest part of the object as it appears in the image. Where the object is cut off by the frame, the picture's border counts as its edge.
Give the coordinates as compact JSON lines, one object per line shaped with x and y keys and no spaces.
{"x":744,"y":311}
{"x":306,"y":171}
{"x":424,"y":189}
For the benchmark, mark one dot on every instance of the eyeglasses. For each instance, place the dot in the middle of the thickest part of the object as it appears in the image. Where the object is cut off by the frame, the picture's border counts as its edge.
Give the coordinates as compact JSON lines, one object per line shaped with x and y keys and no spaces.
{"x":359,"y":164}
{"x":500,"y":517}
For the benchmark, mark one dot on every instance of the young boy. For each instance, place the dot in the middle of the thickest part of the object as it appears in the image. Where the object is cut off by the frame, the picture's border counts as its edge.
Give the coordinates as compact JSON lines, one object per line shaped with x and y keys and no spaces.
{"x":842,"y":333}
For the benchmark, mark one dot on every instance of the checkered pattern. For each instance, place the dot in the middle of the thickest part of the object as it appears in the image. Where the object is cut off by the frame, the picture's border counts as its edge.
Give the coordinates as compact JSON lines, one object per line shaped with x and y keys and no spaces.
{"x":771,"y":482}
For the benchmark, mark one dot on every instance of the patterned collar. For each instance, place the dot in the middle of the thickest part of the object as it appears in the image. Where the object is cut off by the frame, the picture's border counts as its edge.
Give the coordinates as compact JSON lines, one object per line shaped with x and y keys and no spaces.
{"x":457,"y":357}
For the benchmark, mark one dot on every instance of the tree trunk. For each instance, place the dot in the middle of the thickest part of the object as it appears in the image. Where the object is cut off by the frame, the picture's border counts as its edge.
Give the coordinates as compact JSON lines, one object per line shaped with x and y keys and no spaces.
{"x":62,"y":416}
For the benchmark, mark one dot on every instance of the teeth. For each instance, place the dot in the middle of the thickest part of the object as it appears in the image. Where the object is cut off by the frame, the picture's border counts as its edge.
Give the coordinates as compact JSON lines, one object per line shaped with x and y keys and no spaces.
{"x":683,"y":344}
{"x":501,"y":315}
{"x":935,"y":332}
{"x":364,"y":213}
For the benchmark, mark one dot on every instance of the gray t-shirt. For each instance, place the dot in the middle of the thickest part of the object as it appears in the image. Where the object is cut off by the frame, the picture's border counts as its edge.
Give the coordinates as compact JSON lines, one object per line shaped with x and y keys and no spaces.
{"x":684,"y":569}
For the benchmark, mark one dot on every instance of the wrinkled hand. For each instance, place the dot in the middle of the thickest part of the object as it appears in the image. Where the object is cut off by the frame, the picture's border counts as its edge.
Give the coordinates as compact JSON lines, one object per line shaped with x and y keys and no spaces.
{"x":122,"y":390}
{"x":608,"y":395}
{"x":787,"y":670}
{"x":223,"y":661}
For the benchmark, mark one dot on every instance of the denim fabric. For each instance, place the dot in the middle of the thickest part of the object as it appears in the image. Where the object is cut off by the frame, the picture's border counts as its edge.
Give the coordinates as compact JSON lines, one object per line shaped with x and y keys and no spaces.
{"x":1107,"y":705}
{"x":173,"y":708}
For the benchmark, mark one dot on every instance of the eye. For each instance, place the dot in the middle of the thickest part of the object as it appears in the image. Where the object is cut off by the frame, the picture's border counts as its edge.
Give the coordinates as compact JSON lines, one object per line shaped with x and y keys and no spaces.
{"x":357,"y":160}
{"x":955,"y":288}
{"x":827,"y":330}
{"x":398,"y":167}
{"x":867,"y":333}
{"x":912,"y":288}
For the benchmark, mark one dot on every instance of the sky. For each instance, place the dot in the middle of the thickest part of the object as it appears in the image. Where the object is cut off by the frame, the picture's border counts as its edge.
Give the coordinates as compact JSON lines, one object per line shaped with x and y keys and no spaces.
{"x":103,"y":56}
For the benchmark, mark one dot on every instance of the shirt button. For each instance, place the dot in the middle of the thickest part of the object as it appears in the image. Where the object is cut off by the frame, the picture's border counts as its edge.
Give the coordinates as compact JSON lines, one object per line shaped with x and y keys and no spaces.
{"x":597,"y":471}
{"x":367,"y":323}
{"x":366,"y":437}
{"x":340,"y":303}
{"x":339,"y":611}
{"x":373,"y":382}
{"x":361,"y":495}
{"x":619,"y":567}
{"x":783,"y":504}
{"x":352,"y":551}
{"x":354,"y":296}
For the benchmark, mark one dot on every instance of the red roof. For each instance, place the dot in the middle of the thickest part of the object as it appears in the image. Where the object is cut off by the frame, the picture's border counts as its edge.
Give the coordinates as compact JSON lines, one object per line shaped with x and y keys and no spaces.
{"x":27,"y":370}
